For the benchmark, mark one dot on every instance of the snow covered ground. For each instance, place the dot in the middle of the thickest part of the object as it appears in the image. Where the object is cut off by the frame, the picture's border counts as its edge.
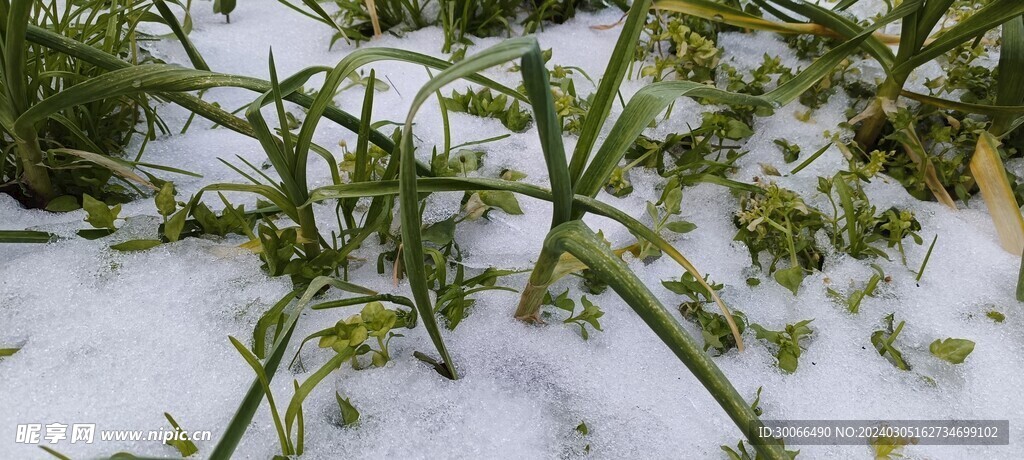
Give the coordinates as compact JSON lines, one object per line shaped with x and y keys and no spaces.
{"x":117,"y":339}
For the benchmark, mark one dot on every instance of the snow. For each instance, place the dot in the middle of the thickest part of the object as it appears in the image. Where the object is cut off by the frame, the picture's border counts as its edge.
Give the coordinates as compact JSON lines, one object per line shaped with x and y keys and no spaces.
{"x":117,"y":339}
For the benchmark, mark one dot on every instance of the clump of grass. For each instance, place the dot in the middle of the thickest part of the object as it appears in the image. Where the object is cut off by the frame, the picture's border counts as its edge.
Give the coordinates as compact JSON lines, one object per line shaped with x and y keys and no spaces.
{"x":102,"y":126}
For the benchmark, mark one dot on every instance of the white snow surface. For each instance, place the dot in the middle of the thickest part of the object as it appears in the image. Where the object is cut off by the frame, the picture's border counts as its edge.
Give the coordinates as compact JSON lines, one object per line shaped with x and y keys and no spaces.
{"x":117,"y":339}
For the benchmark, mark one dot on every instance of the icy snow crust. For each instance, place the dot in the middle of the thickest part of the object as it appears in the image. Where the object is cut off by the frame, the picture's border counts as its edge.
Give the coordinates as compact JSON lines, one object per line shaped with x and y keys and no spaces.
{"x":117,"y":339}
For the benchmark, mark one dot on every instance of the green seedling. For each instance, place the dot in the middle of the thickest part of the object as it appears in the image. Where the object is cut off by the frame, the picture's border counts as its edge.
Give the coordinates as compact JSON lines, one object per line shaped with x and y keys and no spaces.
{"x":777,"y":221}
{"x":883,"y":341}
{"x":787,"y":342}
{"x":588,"y":316}
{"x":855,"y":298}
{"x":484,"y":103}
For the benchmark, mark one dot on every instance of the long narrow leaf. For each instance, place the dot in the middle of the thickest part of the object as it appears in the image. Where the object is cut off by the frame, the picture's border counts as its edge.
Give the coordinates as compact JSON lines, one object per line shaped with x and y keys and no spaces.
{"x":642,"y":108}
{"x":987,"y":168}
{"x":577,"y":239}
{"x":987,"y":18}
{"x":412,"y":241}
{"x":614,"y":72}
{"x":172,"y":21}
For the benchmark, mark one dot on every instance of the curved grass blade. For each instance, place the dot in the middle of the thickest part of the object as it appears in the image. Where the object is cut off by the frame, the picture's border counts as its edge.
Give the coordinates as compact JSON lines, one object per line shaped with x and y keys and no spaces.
{"x":172,"y":21}
{"x":621,"y":59}
{"x":988,"y":170}
{"x":966,"y":107}
{"x":408,"y":198}
{"x":642,"y":108}
{"x":735,"y":17}
{"x":576,"y":238}
{"x":987,"y":18}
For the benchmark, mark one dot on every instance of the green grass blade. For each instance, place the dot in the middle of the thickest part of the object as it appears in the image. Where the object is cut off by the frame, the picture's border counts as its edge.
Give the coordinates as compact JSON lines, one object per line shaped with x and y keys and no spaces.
{"x":992,"y":15}
{"x":794,"y":87}
{"x":15,"y":78}
{"x":726,"y":14}
{"x":538,"y":89}
{"x":1010,"y":86}
{"x":264,"y":381}
{"x":577,"y":239}
{"x":25,"y":236}
{"x":618,"y":64}
{"x":645,"y":105}
{"x":1007,"y":110}
{"x":412,"y":242}
{"x":172,"y":21}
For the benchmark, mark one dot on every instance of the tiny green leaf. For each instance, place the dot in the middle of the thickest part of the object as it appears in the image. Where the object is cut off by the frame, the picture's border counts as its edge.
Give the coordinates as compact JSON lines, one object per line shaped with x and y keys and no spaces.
{"x":165,"y":203}
{"x":174,"y":225}
{"x":349,"y":414}
{"x":681,"y":226}
{"x":185,"y":446}
{"x":136,"y":245}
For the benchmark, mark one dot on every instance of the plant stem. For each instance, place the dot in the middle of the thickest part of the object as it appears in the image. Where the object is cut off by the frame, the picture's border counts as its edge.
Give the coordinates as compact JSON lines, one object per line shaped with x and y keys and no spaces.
{"x":871,"y":128}
{"x":540,"y":279}
{"x":309,"y":232}
{"x":35,"y":175}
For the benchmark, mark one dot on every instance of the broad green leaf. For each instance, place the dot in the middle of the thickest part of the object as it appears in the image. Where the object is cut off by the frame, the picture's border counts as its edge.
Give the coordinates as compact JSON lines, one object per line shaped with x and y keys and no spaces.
{"x":98,"y":214}
{"x":63,"y":203}
{"x":503,"y":200}
{"x":174,"y":225}
{"x":790,"y":278}
{"x":349,"y":414}
{"x":224,"y":7}
{"x":952,"y":350}
{"x":165,"y":203}
{"x":440,"y":233}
